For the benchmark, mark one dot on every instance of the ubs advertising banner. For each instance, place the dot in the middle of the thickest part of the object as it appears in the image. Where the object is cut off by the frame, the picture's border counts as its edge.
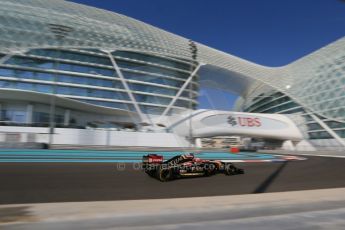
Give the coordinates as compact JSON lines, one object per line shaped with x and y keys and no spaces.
{"x":241,"y":121}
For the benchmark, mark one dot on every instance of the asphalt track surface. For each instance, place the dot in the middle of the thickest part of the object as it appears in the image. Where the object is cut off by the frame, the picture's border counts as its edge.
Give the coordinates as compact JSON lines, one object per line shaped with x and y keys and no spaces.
{"x":70,"y":182}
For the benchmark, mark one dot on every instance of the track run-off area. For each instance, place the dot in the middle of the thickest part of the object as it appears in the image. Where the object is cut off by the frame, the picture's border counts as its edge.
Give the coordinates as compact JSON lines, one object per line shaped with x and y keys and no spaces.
{"x":40,"y":176}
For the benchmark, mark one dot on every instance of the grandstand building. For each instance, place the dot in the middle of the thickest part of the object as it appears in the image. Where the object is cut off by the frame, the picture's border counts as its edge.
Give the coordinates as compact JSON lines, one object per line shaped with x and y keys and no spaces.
{"x":74,"y":74}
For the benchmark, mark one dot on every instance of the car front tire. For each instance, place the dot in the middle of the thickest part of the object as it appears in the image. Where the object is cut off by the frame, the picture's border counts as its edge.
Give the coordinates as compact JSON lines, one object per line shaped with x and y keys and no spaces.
{"x":230,"y":169}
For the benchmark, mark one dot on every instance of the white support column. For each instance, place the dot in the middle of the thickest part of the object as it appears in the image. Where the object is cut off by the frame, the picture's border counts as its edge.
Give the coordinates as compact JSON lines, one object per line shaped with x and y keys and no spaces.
{"x":29,"y":113}
{"x":5,"y":58}
{"x":10,"y":54}
{"x":198,"y":143}
{"x":184,"y":86}
{"x":67,"y":117}
{"x":125,"y":85}
{"x":329,"y":130}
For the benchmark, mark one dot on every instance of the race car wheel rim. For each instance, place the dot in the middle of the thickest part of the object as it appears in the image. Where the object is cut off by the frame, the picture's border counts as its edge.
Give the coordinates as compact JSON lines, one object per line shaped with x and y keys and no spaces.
{"x":164,"y":175}
{"x":230,"y":169}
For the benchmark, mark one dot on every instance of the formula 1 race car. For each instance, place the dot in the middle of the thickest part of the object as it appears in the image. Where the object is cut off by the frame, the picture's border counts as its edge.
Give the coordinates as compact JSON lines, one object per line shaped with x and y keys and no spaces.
{"x":186,"y":165}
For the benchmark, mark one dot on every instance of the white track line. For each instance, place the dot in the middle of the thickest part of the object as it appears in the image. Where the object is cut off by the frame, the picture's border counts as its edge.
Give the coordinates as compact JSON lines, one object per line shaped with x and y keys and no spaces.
{"x":320,"y":155}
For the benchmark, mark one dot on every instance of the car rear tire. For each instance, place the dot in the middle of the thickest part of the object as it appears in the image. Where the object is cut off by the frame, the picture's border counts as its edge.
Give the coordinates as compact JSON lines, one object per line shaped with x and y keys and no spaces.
{"x":164,"y":174}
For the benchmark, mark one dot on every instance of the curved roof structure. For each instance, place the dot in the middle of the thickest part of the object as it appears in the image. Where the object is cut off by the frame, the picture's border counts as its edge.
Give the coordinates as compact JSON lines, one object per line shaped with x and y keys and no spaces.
{"x":27,"y":24}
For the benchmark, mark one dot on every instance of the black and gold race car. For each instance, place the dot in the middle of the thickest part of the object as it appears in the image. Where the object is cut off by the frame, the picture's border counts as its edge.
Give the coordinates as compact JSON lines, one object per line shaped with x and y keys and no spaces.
{"x":185,"y":165}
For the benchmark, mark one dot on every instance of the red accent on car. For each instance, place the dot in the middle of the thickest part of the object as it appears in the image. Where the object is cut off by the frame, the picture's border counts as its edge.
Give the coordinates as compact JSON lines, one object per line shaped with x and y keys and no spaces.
{"x":155,"y":158}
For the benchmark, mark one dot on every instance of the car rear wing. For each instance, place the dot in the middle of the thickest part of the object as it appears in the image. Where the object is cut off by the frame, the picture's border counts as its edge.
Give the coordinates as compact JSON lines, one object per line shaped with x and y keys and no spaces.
{"x":153,"y":159}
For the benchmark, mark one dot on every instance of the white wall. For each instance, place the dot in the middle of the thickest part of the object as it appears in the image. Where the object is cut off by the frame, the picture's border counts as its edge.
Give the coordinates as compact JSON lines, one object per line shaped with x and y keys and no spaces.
{"x":117,"y":138}
{"x":89,"y":137}
{"x":288,"y":145}
{"x":304,"y":145}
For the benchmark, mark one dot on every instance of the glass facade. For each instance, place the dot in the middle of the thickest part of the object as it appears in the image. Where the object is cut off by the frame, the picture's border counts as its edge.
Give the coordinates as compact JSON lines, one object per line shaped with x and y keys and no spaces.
{"x":17,"y":114}
{"x":273,"y":103}
{"x":315,"y":92}
{"x":277,"y":102}
{"x":88,"y":75}
{"x":316,"y":131}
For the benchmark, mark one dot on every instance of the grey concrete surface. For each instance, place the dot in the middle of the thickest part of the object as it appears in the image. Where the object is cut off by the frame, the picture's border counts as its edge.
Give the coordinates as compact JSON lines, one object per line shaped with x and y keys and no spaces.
{"x":312,"y":209}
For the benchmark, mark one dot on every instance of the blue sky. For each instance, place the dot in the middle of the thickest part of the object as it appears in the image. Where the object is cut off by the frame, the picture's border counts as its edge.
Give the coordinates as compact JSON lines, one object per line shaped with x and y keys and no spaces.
{"x":268,"y":32}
